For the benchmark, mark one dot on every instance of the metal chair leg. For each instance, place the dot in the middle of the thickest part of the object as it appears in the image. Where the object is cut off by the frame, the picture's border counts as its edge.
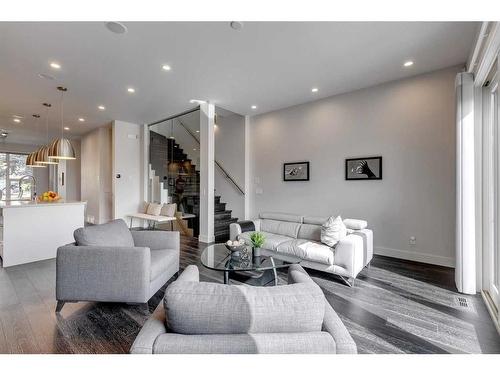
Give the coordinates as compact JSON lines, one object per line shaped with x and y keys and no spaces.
{"x":59,"y":306}
{"x":349,"y":281}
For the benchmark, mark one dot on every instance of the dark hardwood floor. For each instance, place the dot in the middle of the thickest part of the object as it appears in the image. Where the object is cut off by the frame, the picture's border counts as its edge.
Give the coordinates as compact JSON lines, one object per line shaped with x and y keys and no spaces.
{"x":395,"y":307}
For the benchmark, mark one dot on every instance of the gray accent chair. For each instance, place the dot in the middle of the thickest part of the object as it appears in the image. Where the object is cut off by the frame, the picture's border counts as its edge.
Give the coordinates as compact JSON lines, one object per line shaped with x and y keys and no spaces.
{"x":205,"y":318}
{"x":110,"y":263}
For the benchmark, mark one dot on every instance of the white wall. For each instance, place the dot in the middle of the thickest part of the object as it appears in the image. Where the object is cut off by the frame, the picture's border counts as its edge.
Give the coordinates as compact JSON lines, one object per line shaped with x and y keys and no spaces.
{"x":96,"y":174}
{"x":127,"y":161}
{"x":410,"y":123}
{"x":229,"y":152}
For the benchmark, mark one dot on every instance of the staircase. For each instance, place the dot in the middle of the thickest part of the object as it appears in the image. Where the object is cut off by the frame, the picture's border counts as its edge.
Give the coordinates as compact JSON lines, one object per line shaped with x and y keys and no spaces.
{"x":183,"y":180}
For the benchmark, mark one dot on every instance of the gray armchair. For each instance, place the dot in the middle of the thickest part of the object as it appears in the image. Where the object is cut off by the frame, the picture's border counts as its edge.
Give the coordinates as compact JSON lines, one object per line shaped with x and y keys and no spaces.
{"x":215,"y":318}
{"x":110,"y":263}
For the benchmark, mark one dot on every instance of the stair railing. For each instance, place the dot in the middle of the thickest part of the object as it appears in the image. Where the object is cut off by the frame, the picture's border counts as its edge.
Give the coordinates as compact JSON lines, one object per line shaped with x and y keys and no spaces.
{"x":224,"y":172}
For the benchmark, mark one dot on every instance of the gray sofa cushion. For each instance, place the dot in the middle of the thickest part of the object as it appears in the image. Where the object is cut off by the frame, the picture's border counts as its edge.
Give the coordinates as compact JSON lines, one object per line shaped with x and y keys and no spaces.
{"x":209,"y":308}
{"x":310,"y":232}
{"x":315,"y":220}
{"x":283,"y":228}
{"x":272,"y":240}
{"x":161,"y":261}
{"x":115,"y":233}
{"x":281,"y":217}
{"x":308,"y":250}
{"x":252,"y":343}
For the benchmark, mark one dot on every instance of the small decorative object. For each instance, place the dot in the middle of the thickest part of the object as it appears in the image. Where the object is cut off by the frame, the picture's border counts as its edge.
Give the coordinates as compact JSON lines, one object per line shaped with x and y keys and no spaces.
{"x":49,"y":196}
{"x":235,"y":247}
{"x":364,"y":168}
{"x":258,"y":240}
{"x":298,"y":171}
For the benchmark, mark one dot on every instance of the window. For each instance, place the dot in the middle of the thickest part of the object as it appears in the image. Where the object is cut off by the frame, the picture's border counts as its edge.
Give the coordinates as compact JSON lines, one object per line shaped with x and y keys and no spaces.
{"x":12,"y":168}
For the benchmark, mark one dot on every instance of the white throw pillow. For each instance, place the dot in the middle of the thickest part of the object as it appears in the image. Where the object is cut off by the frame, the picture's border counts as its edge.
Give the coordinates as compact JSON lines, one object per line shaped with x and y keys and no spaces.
{"x":333,"y":230}
{"x":154,"y":209}
{"x":169,"y":209}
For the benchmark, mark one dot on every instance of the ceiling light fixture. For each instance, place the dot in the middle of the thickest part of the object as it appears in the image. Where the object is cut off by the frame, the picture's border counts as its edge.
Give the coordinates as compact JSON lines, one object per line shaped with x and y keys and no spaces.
{"x":236,"y":25}
{"x":314,"y":89}
{"x":66,"y":128}
{"x":408,"y":63}
{"x":81,"y":119}
{"x":62,"y":148}
{"x":31,"y":159}
{"x":101,"y":108}
{"x":197,"y":131}
{"x":15,"y":119}
{"x":131,"y":90}
{"x":254,"y":107}
{"x":55,"y":65}
{"x":116,"y":27}
{"x":42,"y":155}
{"x":166,"y":67}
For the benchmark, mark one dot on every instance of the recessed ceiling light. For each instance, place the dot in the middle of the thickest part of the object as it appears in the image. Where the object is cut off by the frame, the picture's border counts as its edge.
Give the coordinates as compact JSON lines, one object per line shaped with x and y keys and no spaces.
{"x":55,"y":65}
{"x":314,"y":89}
{"x":131,"y":90}
{"x":236,"y":25}
{"x":172,"y":137}
{"x":254,"y":107}
{"x":46,"y":76}
{"x":408,"y":63}
{"x":15,"y":119}
{"x":116,"y":27}
{"x":197,"y":131}
{"x":197,"y":101}
{"x":166,"y":67}
{"x":66,"y":128}
{"x":81,"y":119}
{"x":194,"y":149}
{"x":101,"y":108}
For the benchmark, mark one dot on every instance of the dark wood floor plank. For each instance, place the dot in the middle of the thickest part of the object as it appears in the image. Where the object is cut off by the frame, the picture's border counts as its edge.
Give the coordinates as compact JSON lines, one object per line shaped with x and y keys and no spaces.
{"x":395,"y":307}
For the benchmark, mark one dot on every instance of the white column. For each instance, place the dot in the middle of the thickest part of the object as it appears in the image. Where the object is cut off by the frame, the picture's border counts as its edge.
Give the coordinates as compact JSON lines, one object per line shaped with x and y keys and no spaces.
{"x":465,"y":269}
{"x":207,"y":150}
{"x":247,"y":168}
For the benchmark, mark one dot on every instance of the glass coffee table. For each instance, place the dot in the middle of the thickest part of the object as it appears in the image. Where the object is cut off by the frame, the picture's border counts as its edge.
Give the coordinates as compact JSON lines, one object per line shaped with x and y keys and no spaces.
{"x":258,"y":271}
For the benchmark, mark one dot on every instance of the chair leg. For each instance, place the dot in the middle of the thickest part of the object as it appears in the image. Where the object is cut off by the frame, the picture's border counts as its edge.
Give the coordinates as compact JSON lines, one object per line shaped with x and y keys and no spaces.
{"x":349,"y":281}
{"x":59,"y":306}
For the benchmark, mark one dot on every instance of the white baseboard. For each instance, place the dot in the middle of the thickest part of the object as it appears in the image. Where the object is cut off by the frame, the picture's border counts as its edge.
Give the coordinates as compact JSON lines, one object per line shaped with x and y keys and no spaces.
{"x":491,"y":309}
{"x":415,"y":256}
{"x":206,"y":239}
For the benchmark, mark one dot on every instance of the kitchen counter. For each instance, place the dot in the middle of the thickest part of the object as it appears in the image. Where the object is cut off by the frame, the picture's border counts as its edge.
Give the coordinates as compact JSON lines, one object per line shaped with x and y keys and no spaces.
{"x":33,"y":231}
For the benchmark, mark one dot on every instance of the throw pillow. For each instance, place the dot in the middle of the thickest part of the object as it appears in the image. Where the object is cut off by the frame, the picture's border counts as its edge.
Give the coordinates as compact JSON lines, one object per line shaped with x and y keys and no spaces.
{"x":154,"y":209}
{"x":169,"y":209}
{"x":333,"y":230}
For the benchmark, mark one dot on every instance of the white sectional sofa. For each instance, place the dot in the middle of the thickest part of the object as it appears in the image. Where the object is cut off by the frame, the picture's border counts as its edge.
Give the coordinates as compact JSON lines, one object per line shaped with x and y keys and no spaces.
{"x":289,"y":235}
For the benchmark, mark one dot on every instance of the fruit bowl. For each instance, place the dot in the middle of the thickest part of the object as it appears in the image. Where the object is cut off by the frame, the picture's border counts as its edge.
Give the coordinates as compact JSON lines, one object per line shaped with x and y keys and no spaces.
{"x":49,"y":196}
{"x":235,"y":247}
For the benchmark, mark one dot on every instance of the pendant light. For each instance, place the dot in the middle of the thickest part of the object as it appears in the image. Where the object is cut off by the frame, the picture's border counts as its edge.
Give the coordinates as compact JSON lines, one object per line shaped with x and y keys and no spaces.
{"x":62,"y":148}
{"x":42,"y":155}
{"x":31,"y":159}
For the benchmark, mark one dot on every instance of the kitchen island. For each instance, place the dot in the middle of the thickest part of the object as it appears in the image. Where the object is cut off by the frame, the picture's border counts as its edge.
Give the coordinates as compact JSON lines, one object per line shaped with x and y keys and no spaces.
{"x":33,"y":231}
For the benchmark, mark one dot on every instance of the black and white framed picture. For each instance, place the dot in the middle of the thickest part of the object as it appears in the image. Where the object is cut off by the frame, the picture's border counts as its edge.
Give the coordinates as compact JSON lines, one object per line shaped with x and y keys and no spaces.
{"x":364,"y":168}
{"x":298,"y":171}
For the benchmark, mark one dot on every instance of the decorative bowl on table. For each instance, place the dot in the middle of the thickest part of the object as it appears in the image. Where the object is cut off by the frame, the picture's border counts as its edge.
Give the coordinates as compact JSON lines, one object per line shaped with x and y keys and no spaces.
{"x":236,"y":247}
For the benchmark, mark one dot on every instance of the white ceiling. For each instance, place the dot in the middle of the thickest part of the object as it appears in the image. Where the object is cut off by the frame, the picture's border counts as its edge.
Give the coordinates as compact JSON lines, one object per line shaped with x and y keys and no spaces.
{"x":270,"y":64}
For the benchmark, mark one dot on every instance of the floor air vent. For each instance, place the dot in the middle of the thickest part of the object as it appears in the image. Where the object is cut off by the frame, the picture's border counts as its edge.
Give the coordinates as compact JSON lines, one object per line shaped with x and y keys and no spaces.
{"x":464,"y":303}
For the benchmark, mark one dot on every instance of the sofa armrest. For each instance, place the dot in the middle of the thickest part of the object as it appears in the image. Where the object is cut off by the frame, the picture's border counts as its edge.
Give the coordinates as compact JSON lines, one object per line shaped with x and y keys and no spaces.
{"x":191,"y":273}
{"x":154,"y":327}
{"x":296,"y":274}
{"x":344,"y":344}
{"x":235,"y":229}
{"x":99,"y":273}
{"x":156,"y":239}
{"x":349,"y":254}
